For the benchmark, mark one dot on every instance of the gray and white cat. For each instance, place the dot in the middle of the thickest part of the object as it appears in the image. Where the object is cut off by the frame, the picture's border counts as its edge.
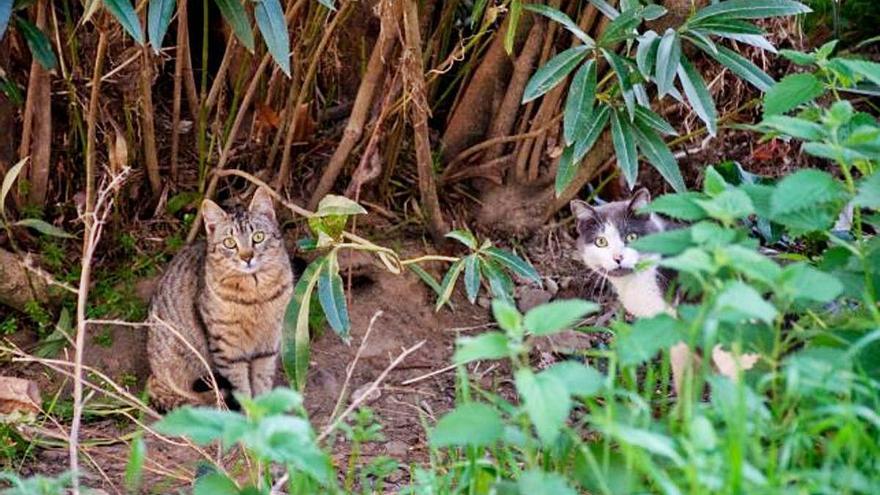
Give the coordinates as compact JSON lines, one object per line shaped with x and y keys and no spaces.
{"x":604,"y":236}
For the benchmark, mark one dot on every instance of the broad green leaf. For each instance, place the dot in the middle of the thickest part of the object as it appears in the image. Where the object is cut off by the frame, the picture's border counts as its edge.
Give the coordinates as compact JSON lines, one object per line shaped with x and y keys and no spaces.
{"x":134,"y":468}
{"x":605,"y":8}
{"x":332,"y":298}
{"x":472,"y":424}
{"x":792,"y":91}
{"x":740,"y":302}
{"x":277,"y":401}
{"x":803,"y":190}
{"x":8,"y":181}
{"x":43,"y":227}
{"x":869,"y":192}
{"x":464,"y":237}
{"x":508,"y":317}
{"x":740,"y":66}
{"x":698,"y":95}
{"x":499,"y":282}
{"x":655,"y":443}
{"x":646,"y":53}
{"x":514,"y":263}
{"x":215,"y":484}
{"x":273,"y":26}
{"x":646,"y":337}
{"x":870,"y":70}
{"x":596,"y":126}
{"x":553,"y":72}
{"x":668,"y":55}
{"x":750,"y":9}
{"x":579,"y":103}
{"x":332,"y":205}
{"x":38,"y":43}
{"x":486,"y":346}
{"x":295,"y":330}
{"x":237,"y":17}
{"x":622,"y":72}
{"x":713,"y":183}
{"x":557,"y":316}
{"x":670,"y":242}
{"x":625,"y":147}
{"x":125,"y":14}
{"x":580,"y":380}
{"x":537,"y":482}
{"x":800,"y":58}
{"x":795,"y":127}
{"x":563,"y":19}
{"x":749,"y":262}
{"x":203,"y":425}
{"x":803,"y":282}
{"x":693,"y":261}
{"x":5,"y":13}
{"x":472,"y":277}
{"x":159,"y":16}
{"x":647,"y":117}
{"x":546,"y":402}
{"x":448,"y":284}
{"x":658,"y":155}
{"x":730,"y":205}
{"x":681,"y":206}
{"x":289,"y":440}
{"x":513,"y":16}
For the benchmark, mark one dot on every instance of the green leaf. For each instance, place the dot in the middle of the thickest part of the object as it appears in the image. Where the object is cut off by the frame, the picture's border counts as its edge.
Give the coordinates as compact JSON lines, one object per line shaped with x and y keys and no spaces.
{"x":646,"y":337}
{"x":668,"y":55}
{"x":236,"y":16}
{"x":289,"y":440}
{"x":750,"y":9}
{"x":659,"y":156}
{"x":508,"y":318}
{"x":596,"y":125}
{"x":448,"y":284}
{"x":277,"y":401}
{"x":215,"y":484}
{"x":646,"y":53}
{"x":8,"y":181}
{"x":134,"y":468}
{"x":749,"y":262}
{"x":43,"y":227}
{"x":626,"y":89}
{"x":295,"y":330}
{"x":698,"y":95}
{"x":719,"y":25}
{"x":427,"y":278}
{"x":563,"y":19}
{"x":329,"y":4}
{"x":803,"y":190}
{"x":273,"y":26}
{"x":668,"y":243}
{"x":739,"y":302}
{"x":622,"y":27}
{"x":713,"y":184}
{"x":795,"y":127}
{"x":553,"y":72}
{"x":537,"y":482}
{"x":499,"y":282}
{"x":515,"y":264}
{"x":730,"y":205}
{"x":331,"y":205}
{"x":740,"y":66}
{"x":158,"y":18}
{"x":557,"y":316}
{"x":869,"y":192}
{"x":472,"y":277}
{"x":546,"y":402}
{"x":486,"y":346}
{"x":579,"y":103}
{"x":566,"y":170}
{"x":38,"y":43}
{"x":650,"y":441}
{"x":203,"y":425}
{"x":125,"y":14}
{"x":624,"y":148}
{"x":579,"y":379}
{"x":792,"y":91}
{"x":681,"y":206}
{"x":605,"y":8}
{"x":515,"y":12}
{"x":800,"y":58}
{"x":647,"y":117}
{"x":332,"y":298}
{"x":472,"y":424}
{"x":693,"y":261}
{"x":803,"y":282}
{"x":464,"y":237}
{"x":870,"y":70}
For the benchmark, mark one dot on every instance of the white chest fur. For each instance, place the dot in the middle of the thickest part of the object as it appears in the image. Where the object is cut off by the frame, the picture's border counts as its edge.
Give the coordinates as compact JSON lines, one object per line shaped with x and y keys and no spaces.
{"x":640,"y":293}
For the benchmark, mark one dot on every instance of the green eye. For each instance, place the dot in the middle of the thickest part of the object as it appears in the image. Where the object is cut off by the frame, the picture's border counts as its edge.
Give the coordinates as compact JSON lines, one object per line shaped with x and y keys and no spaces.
{"x":601,"y":242}
{"x":258,"y":237}
{"x":631,"y":237}
{"x":229,"y":243}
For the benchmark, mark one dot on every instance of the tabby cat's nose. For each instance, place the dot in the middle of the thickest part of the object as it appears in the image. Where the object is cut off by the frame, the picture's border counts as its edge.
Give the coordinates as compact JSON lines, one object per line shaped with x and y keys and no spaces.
{"x":246,"y":256}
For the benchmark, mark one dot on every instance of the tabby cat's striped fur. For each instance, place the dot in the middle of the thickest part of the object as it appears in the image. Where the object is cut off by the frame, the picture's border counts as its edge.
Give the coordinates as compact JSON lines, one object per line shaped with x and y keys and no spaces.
{"x":226,"y":296}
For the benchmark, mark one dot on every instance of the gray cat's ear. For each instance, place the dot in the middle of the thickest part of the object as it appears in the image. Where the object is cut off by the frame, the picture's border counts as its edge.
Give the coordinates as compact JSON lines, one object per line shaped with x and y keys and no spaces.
{"x":262,"y":204}
{"x":212,"y":214}
{"x":640,"y":199}
{"x":582,"y":210}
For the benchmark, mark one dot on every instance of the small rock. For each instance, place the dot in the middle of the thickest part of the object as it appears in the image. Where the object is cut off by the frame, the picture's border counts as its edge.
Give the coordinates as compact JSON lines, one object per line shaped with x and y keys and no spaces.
{"x":531,"y":297}
{"x":484,"y":302}
{"x":397,"y":449}
{"x":357,"y":394}
{"x":19,"y":395}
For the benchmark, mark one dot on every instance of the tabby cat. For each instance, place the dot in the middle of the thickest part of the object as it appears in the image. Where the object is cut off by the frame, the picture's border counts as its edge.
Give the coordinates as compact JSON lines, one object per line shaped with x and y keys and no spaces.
{"x":226,"y":296}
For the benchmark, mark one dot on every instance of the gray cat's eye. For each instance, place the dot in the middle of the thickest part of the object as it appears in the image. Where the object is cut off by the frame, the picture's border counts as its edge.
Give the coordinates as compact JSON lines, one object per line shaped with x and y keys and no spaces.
{"x":229,"y":243}
{"x":631,"y":237}
{"x":601,"y":242}
{"x":258,"y":237}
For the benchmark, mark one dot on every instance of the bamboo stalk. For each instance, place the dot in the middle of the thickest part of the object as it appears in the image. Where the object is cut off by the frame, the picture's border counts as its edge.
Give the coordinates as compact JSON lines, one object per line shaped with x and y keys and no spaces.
{"x":182,"y":46}
{"x":151,"y":159}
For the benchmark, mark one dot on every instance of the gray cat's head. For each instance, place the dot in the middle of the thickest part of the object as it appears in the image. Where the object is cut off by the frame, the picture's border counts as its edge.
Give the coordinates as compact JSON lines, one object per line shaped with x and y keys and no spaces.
{"x":243,"y":241}
{"x":606,"y":232}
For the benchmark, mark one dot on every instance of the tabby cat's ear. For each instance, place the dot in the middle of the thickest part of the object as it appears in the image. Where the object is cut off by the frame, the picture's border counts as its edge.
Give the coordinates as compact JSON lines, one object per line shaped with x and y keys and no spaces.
{"x":640,"y":199}
{"x":582,"y":210}
{"x":212,"y":215}
{"x":261,"y":204}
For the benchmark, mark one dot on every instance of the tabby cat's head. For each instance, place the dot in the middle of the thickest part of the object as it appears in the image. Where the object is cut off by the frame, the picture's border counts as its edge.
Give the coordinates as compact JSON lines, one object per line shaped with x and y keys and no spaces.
{"x":244,"y":240}
{"x":606,"y":232}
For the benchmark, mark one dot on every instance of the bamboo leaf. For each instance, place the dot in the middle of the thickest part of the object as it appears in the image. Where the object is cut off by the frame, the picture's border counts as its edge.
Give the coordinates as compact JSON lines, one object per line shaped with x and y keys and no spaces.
{"x":512,"y":23}
{"x":8,"y":180}
{"x":624,"y":147}
{"x":464,"y":237}
{"x":597,"y":125}
{"x":271,"y":21}
{"x":750,"y":9}
{"x":605,"y":8}
{"x":448,"y":284}
{"x":668,"y":55}
{"x":235,"y":15}
{"x":646,"y":53}
{"x":698,"y":95}
{"x":295,"y":330}
{"x":499,"y":282}
{"x":566,"y":170}
{"x":719,"y":25}
{"x":740,"y":66}
{"x":579,"y":104}
{"x":658,"y":155}
{"x":125,"y":14}
{"x":329,"y":4}
{"x":426,"y":277}
{"x":332,"y":297}
{"x":563,"y":19}
{"x":38,"y":43}
{"x":158,"y":18}
{"x":651,"y":119}
{"x":515,"y":264}
{"x":620,"y":69}
{"x":43,"y":227}
{"x":553,"y":72}
{"x":472,"y":277}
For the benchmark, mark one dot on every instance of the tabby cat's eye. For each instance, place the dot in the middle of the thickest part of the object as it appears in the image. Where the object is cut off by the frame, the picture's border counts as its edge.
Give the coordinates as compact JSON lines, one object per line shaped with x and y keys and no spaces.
{"x":601,"y":242}
{"x":258,"y":237}
{"x":631,"y":237}
{"x":229,"y":243}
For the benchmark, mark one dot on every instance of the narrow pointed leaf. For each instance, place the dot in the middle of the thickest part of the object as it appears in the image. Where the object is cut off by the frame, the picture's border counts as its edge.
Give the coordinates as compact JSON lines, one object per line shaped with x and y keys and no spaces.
{"x":448,"y":284}
{"x":622,"y":71}
{"x":563,"y":19}
{"x":624,"y":148}
{"x":668,"y":55}
{"x":125,"y":14}
{"x":464,"y":237}
{"x":472,"y":277}
{"x":566,"y":170}
{"x":579,"y":104}
{"x":646,"y":53}
{"x":740,"y":66}
{"x":332,"y":298}
{"x":698,"y":95}
{"x":295,"y":330}
{"x":597,"y":125}
{"x":499,"y":282}
{"x":158,"y":18}
{"x":9,"y":180}
{"x":605,"y":8}
{"x":755,"y":40}
{"x":515,"y":12}
{"x":43,"y":227}
{"x":719,"y":26}
{"x":38,"y":43}
{"x":553,"y":72}
{"x":236,"y":16}
{"x":515,"y":264}
{"x":651,"y":119}
{"x":659,"y":156}
{"x":271,"y":21}
{"x":751,"y":9}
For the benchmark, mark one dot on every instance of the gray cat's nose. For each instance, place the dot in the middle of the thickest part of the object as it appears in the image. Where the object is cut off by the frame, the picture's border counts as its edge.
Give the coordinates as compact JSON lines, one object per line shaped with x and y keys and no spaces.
{"x":618,"y":258}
